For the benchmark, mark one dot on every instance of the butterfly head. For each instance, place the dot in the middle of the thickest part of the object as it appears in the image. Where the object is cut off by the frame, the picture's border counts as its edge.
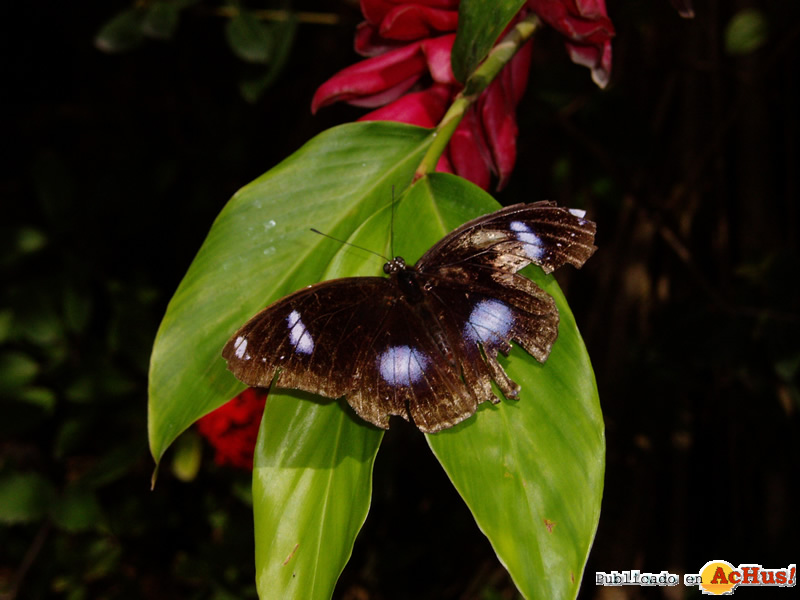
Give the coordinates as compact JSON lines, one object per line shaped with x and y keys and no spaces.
{"x":395,"y":265}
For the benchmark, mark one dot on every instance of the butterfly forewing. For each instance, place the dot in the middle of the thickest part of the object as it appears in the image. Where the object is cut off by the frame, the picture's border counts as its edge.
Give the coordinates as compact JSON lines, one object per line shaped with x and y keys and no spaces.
{"x":422,"y":343}
{"x":514,"y":237}
{"x":311,"y":336}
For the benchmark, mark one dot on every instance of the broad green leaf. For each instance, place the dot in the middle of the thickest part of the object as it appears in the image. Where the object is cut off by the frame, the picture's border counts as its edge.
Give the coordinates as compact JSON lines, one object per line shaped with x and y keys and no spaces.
{"x":530,"y":470}
{"x":312,"y":481}
{"x":480,"y":23}
{"x":260,"y":248}
{"x":312,"y":485}
{"x":249,"y":38}
{"x":535,"y":496}
{"x":313,"y":463}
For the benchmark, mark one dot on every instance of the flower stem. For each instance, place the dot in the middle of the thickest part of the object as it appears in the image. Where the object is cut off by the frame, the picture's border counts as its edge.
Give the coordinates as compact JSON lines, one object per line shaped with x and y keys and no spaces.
{"x":480,"y":79}
{"x":315,"y":18}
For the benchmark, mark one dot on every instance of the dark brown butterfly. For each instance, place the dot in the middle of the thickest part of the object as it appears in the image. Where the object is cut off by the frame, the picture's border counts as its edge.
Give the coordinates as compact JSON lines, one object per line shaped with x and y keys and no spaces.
{"x":421,"y":343}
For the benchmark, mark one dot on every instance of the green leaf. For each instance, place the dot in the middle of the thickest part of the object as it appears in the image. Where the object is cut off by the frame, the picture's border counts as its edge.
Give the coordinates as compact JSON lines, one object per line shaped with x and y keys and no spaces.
{"x":530,"y":470}
{"x":161,"y":20}
{"x":71,"y":434}
{"x":117,"y":462}
{"x":537,"y":498}
{"x":30,"y":240}
{"x":41,"y":325}
{"x":16,"y":369}
{"x":253,"y":87}
{"x":746,"y":32}
{"x":24,"y":497}
{"x":260,"y":249}
{"x":42,"y":397}
{"x":187,"y":457}
{"x":6,"y":318}
{"x":313,"y":462}
{"x":77,"y":307}
{"x":249,"y":39}
{"x":480,"y":23}
{"x":282,"y":33}
{"x":283,"y":36}
{"x":123,"y":32}
{"x":77,"y":510}
{"x":103,"y":556}
{"x":312,"y":485}
{"x":313,"y":465}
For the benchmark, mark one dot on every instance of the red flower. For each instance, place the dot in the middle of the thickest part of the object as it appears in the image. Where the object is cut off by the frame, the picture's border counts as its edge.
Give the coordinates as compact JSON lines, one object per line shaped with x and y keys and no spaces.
{"x":586,"y":24}
{"x":232,"y":429}
{"x":408,"y":74}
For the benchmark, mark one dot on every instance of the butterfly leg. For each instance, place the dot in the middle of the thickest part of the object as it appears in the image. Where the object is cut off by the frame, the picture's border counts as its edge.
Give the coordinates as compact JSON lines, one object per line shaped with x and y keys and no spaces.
{"x":509,"y":388}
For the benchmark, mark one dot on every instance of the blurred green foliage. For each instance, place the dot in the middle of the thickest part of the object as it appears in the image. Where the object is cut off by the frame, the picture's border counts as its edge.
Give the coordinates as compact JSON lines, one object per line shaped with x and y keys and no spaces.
{"x":74,"y":467}
{"x":746,"y":31}
{"x":263,"y":39}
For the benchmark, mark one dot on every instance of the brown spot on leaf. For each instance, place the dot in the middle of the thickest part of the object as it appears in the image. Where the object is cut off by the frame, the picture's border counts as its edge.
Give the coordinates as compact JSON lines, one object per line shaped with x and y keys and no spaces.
{"x":291,"y":554}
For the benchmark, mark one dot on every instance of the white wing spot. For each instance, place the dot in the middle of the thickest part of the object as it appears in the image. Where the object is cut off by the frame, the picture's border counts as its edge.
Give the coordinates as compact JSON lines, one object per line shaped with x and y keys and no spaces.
{"x":532,"y":244}
{"x":402,"y":365}
{"x":489,"y":322}
{"x":577,"y":212}
{"x":299,"y":336}
{"x":240,"y":348}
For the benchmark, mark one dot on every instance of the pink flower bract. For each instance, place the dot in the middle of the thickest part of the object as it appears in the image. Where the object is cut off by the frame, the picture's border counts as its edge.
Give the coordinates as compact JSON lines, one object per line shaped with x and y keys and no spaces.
{"x":407,"y":72}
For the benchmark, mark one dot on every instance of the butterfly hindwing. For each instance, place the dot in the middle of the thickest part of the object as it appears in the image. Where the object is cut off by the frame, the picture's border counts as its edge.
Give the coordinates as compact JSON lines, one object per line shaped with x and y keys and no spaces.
{"x":406,"y":372}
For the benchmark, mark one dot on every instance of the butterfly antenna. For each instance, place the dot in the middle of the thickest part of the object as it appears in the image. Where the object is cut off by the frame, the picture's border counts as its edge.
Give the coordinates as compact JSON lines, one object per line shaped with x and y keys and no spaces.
{"x":391,"y":230}
{"x":349,"y":244}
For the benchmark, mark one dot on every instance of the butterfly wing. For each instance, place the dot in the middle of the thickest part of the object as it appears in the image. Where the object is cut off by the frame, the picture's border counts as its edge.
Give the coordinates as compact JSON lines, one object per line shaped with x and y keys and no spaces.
{"x":406,"y":371}
{"x":481,"y":312}
{"x":355,"y":337}
{"x":482,"y":303}
{"x":309,"y":337}
{"x":514,"y":237}
{"x":430,"y":355}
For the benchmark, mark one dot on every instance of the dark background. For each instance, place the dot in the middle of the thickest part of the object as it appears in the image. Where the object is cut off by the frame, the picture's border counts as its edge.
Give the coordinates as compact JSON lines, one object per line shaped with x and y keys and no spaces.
{"x":116,"y":165}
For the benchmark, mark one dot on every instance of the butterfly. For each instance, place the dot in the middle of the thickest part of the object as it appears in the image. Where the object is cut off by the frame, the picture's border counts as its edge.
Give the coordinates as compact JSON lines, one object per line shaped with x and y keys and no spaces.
{"x":423,"y":342}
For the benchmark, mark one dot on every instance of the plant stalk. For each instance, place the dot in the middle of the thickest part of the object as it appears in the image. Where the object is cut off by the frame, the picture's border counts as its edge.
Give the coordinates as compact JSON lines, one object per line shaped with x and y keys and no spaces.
{"x":480,"y":79}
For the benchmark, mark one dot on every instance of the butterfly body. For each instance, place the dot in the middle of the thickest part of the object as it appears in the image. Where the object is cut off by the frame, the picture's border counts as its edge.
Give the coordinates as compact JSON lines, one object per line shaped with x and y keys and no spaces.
{"x":421,"y":343}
